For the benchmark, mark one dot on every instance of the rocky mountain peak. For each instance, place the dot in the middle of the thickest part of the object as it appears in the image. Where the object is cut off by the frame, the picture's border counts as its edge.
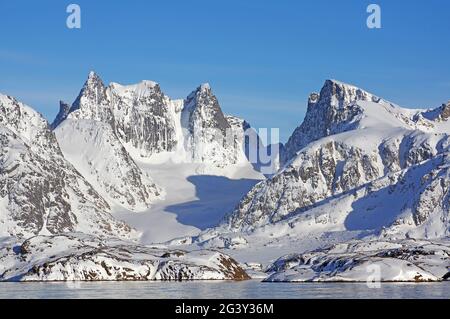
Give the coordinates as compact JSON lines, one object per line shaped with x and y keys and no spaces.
{"x":445,"y":113}
{"x":339,"y":94}
{"x":92,"y":102}
{"x":204,"y":110}
{"x":313,"y":98}
{"x":93,"y":78}
{"x":204,"y":87}
{"x":329,"y":112}
{"x":94,"y":90}
{"x":64,"y":109}
{"x":28,"y":124}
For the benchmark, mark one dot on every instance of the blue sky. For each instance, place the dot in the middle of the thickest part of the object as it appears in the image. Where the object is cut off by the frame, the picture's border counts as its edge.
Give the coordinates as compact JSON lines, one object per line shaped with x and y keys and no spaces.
{"x":262,"y":58}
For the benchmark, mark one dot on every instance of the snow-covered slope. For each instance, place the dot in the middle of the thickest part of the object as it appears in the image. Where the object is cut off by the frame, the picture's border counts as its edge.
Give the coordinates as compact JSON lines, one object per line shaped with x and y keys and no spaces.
{"x":40,"y":192}
{"x":76,"y":256}
{"x":353,"y":147}
{"x":96,"y":152}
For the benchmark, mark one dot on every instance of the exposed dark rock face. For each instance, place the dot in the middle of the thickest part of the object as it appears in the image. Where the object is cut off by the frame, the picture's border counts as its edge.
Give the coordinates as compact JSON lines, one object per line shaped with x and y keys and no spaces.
{"x":445,"y":113}
{"x":64,"y":110}
{"x":143,"y":118}
{"x":330,"y":112}
{"x":211,"y":138}
{"x":204,"y":111}
{"x":330,"y":169}
{"x":139,"y":114}
{"x":92,"y":102}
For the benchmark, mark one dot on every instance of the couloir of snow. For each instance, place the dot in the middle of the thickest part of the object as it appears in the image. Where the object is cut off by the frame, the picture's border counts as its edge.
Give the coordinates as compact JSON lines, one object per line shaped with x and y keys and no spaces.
{"x":96,"y":152}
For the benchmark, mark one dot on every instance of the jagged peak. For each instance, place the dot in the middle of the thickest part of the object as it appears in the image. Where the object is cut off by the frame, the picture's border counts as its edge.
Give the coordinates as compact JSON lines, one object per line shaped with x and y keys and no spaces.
{"x":204,"y":87}
{"x":336,"y":86}
{"x":94,"y":81}
{"x":445,"y":113}
{"x":340,"y":83}
{"x":337,"y":93}
{"x":8,"y":101}
{"x":4,"y":98}
{"x":93,"y":90}
{"x":93,"y":75}
{"x":313,"y":98}
{"x":63,"y":105}
{"x":64,"y":109}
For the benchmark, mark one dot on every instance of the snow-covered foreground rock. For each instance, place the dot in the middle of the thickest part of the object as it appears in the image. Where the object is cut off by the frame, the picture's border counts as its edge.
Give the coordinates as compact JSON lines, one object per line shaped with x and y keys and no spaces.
{"x":367,"y":261}
{"x":75,"y":257}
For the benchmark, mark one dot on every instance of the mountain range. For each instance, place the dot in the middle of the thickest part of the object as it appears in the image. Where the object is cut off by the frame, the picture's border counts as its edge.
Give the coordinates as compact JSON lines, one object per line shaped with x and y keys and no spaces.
{"x":359,"y":171}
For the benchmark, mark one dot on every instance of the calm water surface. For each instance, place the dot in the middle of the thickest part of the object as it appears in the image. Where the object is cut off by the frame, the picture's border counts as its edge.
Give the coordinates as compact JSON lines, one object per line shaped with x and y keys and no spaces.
{"x":234,"y":290}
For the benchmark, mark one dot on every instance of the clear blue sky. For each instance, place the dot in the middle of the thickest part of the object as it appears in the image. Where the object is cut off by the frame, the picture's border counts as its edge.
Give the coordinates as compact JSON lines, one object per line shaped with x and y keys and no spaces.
{"x":262,"y":58}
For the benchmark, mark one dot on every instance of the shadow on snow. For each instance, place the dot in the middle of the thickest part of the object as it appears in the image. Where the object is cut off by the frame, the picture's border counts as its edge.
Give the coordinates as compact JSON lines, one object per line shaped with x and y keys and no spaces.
{"x":217,"y":196}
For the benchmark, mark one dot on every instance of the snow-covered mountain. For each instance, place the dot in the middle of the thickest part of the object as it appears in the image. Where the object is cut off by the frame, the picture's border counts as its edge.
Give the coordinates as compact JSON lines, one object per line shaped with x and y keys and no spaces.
{"x":54,"y":225}
{"x":364,"y":162}
{"x":40,"y":191}
{"x":148,"y":122}
{"x":115,"y":125}
{"x":210,"y":136}
{"x":360,"y":172}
